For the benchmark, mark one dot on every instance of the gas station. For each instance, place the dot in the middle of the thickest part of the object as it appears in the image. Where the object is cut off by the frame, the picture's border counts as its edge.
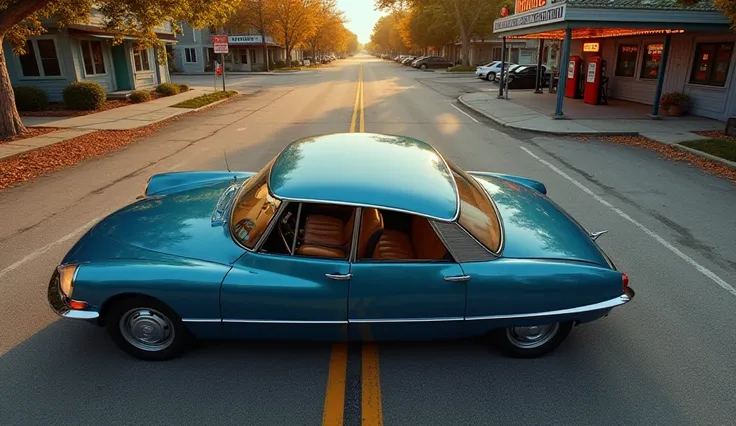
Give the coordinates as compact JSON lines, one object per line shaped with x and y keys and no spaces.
{"x":627,"y":53}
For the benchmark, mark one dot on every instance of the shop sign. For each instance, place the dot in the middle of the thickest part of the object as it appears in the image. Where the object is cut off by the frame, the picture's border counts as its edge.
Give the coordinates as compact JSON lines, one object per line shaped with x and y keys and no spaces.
{"x":522,"y":6}
{"x":531,"y":18}
{"x":245,"y":39}
{"x":591,"y":47}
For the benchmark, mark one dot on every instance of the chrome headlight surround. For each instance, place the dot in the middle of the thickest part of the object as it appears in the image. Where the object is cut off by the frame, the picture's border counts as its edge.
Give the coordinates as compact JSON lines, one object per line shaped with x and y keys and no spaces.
{"x":67,"y":276}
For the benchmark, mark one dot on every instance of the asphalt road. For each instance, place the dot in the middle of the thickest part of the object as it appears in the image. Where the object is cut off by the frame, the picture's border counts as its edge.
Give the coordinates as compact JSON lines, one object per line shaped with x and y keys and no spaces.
{"x":666,"y":358}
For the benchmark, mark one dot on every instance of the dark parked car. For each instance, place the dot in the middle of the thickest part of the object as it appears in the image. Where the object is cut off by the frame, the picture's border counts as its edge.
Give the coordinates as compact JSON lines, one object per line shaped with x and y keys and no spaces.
{"x":408,"y":60}
{"x":524,"y":77}
{"x":432,"y":62}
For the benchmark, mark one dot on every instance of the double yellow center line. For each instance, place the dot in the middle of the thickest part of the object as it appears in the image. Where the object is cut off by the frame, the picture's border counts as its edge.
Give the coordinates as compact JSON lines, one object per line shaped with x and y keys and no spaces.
{"x":370,"y":404}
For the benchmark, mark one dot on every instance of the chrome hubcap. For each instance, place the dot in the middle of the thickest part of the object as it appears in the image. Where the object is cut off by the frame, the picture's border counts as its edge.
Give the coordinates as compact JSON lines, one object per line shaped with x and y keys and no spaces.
{"x":532,"y":336}
{"x":147,"y":329}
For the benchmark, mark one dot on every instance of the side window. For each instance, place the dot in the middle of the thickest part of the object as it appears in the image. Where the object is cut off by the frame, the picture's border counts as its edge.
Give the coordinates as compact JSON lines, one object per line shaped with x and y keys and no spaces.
{"x":312,"y":230}
{"x":392,"y":236}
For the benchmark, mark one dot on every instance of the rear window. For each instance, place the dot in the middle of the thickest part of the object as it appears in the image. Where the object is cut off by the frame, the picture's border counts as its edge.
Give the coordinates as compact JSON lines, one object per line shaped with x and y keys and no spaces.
{"x":477,"y":213}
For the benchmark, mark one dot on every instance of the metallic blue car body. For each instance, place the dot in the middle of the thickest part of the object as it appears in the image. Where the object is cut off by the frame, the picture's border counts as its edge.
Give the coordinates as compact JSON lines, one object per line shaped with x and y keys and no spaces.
{"x":174,"y":244}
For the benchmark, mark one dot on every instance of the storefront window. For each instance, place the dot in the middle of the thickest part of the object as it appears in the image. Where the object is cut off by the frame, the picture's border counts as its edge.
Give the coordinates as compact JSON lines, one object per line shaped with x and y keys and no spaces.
{"x":652,"y":58}
{"x":626,"y":60}
{"x":711,"y":64}
{"x":94,"y":63}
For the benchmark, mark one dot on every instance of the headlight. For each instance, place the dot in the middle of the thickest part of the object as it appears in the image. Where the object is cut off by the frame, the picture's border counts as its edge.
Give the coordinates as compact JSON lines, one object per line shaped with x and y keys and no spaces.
{"x":67,"y":274}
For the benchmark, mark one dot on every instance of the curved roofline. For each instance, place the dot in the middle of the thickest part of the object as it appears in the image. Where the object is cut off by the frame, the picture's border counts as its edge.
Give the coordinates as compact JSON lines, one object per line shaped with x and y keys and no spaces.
{"x":454,"y":218}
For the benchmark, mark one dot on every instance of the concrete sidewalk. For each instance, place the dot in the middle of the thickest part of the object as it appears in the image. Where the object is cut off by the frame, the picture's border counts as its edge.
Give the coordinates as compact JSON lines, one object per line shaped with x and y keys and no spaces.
{"x":123,"y":118}
{"x":669,"y":130}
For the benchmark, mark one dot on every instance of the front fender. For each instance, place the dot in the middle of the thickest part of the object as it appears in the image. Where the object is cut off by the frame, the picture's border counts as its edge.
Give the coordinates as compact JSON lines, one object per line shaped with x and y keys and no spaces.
{"x":167,"y":183}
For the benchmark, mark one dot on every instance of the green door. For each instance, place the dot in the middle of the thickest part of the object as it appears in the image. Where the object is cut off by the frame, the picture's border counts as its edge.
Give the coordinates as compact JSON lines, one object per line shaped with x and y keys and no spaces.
{"x":122,"y":67}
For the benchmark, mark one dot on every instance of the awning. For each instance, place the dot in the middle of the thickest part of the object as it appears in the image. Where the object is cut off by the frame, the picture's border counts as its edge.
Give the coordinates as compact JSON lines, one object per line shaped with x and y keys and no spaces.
{"x":98,"y":32}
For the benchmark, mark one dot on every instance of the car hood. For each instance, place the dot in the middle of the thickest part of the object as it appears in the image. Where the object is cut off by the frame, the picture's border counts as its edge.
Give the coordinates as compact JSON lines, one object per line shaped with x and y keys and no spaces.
{"x":178,"y":224}
{"x":536,"y":228}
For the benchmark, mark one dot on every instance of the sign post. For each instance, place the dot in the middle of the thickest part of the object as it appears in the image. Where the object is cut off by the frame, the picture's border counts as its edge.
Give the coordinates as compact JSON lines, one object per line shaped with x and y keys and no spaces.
{"x":220,"y":43}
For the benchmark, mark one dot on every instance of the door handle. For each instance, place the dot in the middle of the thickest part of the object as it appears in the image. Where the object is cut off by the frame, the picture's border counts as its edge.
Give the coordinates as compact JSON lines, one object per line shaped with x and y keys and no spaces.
{"x":339,"y":277}
{"x":458,"y":278}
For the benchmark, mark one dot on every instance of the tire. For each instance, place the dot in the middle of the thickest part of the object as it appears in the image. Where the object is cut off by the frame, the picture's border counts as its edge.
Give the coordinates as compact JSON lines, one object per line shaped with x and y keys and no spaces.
{"x":491,"y":76}
{"x":423,"y":67}
{"x":125,"y":322}
{"x":511,"y":341}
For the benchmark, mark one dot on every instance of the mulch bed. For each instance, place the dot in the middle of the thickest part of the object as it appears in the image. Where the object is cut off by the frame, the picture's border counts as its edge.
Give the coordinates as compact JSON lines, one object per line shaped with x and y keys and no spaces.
{"x":25,"y":167}
{"x":58,"y":110}
{"x":672,"y":153}
{"x":716,"y":134}
{"x":31,"y":133}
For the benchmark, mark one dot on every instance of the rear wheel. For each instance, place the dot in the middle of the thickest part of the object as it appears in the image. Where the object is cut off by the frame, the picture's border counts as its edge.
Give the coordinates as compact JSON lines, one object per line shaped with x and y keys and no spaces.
{"x":147,"y":329}
{"x":531,"y":341}
{"x":423,"y":67}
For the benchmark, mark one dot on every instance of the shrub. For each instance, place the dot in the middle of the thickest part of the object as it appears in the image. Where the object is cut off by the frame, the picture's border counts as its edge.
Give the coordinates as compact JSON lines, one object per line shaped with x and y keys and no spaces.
{"x":167,"y":89}
{"x":138,"y":96}
{"x":280,"y":63}
{"x":183,"y":87}
{"x":84,"y":95}
{"x":674,"y":98}
{"x":30,"y":98}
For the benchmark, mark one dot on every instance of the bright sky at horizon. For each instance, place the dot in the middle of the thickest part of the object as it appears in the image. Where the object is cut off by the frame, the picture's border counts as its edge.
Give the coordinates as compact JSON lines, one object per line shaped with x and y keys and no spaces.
{"x":361,"y":16}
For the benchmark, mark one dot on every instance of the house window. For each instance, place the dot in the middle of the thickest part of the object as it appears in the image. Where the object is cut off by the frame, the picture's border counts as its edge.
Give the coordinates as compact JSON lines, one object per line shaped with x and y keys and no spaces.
{"x":711,"y":63}
{"x":190,"y":55}
{"x":94,"y":62}
{"x":652,"y":59}
{"x":626,"y":60}
{"x":40,"y":59}
{"x":140,"y":57}
{"x":243,"y":56}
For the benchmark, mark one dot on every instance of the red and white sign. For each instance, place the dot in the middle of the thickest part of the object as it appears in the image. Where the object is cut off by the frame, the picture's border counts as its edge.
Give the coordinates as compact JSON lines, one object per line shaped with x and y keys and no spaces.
{"x":220,"y":42}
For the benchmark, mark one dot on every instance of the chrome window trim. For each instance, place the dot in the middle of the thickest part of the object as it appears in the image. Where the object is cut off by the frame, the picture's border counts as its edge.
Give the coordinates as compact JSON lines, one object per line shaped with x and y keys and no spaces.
{"x":248,"y":321}
{"x":296,"y":231}
{"x":501,"y":230}
{"x":374,"y":206}
{"x":267,"y":232}
{"x":442,"y":238}
{"x":611,"y":303}
{"x":454,"y":184}
{"x":404,"y":320}
{"x":496,"y":255}
{"x":353,"y":256}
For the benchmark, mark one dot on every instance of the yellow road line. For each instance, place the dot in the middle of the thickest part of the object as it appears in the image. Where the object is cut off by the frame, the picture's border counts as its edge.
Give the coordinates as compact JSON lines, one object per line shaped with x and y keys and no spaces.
{"x":335,"y":395}
{"x":358,"y":98}
{"x":371,"y":406}
{"x":362,"y":104}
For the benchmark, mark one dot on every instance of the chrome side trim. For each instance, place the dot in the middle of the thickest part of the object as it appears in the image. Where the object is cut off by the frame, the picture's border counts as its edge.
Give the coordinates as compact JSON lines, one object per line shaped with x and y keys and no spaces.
{"x":82,"y":315}
{"x":459,"y":278}
{"x":201,"y":320}
{"x":406,"y":320}
{"x":620,"y":300}
{"x":239,"y":321}
{"x":375,"y":206}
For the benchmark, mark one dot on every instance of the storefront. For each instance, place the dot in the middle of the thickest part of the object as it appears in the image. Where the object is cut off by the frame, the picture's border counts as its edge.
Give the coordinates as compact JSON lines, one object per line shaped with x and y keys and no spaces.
{"x":646,"y":49}
{"x":246,"y":52}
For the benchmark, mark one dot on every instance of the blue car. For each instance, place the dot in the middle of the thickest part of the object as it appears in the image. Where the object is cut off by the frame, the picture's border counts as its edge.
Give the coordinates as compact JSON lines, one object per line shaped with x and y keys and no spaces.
{"x":341,"y":237}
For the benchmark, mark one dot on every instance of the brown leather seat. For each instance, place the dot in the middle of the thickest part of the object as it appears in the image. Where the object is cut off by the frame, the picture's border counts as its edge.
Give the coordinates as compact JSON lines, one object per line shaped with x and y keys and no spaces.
{"x":319,"y":251}
{"x":423,"y":245}
{"x":327,"y":230}
{"x":327,"y":236}
{"x":371,"y":228}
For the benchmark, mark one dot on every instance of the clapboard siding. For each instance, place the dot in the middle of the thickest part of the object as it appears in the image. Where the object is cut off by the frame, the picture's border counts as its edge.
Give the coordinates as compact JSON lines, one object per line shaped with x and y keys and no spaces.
{"x":706,"y":101}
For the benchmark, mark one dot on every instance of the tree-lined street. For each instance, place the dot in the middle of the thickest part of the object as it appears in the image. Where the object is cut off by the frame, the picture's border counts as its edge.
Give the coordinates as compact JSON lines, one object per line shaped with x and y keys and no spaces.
{"x":664,"y":358}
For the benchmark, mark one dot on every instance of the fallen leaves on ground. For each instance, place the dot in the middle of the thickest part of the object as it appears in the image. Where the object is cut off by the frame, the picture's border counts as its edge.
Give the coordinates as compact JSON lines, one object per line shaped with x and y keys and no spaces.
{"x":58,"y":109}
{"x":25,"y":167}
{"x":716,"y":134}
{"x":670,"y":152}
{"x":31,"y":132}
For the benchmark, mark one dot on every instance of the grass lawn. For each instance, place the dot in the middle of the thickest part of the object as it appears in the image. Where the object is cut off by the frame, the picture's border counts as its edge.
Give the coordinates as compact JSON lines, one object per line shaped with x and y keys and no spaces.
{"x":460,"y":68}
{"x":207,"y":99}
{"x":718,"y":147}
{"x":287,"y":69}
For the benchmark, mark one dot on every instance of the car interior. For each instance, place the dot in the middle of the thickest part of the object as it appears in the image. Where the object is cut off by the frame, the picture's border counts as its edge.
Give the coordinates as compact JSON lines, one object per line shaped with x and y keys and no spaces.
{"x":326,"y":231}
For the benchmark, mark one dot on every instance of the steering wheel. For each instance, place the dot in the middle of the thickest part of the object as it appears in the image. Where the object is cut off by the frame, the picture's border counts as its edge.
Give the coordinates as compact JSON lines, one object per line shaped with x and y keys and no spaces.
{"x":287,"y":230}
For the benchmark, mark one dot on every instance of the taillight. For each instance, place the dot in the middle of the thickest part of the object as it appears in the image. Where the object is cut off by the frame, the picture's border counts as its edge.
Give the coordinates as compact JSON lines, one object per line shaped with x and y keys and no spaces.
{"x":624,"y":281}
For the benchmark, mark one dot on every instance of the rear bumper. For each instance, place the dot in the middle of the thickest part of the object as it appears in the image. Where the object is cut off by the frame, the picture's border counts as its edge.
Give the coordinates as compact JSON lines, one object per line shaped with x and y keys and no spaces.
{"x":60,"y":303}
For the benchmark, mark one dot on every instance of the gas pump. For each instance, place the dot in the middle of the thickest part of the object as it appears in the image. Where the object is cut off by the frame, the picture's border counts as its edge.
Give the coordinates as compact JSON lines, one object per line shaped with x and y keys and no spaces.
{"x":574,"y":84}
{"x":595,"y":81}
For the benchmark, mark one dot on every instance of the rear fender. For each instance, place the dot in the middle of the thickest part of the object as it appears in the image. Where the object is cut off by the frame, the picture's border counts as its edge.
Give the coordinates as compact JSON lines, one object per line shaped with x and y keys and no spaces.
{"x":531,"y":183}
{"x":167,"y":183}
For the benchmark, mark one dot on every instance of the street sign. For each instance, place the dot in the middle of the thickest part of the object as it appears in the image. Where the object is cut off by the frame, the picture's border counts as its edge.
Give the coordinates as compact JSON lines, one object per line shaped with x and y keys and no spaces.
{"x":220,"y":42}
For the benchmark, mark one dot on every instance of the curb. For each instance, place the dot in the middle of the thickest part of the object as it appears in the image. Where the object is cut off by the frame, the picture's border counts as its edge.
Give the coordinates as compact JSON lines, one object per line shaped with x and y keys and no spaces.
{"x":702,"y":154}
{"x":543,"y":132}
{"x":693,"y":151}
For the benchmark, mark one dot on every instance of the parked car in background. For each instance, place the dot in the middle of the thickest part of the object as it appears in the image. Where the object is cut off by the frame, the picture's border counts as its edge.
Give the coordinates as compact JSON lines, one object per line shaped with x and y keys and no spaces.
{"x":525,"y":77}
{"x":408,"y":60}
{"x":418,"y":58}
{"x":432,"y":62}
{"x":507,"y":70}
{"x":491,"y":70}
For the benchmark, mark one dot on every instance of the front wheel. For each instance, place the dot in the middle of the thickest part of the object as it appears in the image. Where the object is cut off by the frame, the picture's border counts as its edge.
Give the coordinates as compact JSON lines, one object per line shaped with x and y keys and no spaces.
{"x":147,"y":329}
{"x":491,"y":76}
{"x":423,"y":67}
{"x":530,"y":341}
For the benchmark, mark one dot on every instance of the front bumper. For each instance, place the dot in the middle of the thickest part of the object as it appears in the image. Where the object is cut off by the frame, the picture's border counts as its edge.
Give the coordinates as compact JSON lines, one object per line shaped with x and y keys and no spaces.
{"x":60,"y":303}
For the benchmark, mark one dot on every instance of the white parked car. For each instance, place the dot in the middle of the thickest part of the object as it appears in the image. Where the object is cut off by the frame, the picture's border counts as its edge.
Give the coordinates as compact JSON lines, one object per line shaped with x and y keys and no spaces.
{"x":490,"y":71}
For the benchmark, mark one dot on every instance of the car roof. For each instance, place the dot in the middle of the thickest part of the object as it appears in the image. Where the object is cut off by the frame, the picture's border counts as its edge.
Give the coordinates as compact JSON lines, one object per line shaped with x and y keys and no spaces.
{"x":367,"y":169}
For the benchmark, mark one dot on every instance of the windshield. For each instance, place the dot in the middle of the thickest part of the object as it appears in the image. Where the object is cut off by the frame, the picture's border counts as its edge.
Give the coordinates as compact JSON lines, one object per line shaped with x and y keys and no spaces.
{"x":477,"y":213}
{"x":254,"y":209}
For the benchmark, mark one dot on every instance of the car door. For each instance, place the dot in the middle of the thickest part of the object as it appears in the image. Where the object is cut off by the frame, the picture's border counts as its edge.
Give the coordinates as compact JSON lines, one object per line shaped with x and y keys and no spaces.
{"x":276,"y":291}
{"x":417,"y":296}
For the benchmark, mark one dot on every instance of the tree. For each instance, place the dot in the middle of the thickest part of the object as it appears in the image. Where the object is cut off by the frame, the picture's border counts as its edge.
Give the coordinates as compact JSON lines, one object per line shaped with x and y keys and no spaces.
{"x":291,"y":22}
{"x":728,"y":7}
{"x":20,"y":19}
{"x":468,"y":14}
{"x":253,"y":14}
{"x":386,"y":36}
{"x":329,"y":31}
